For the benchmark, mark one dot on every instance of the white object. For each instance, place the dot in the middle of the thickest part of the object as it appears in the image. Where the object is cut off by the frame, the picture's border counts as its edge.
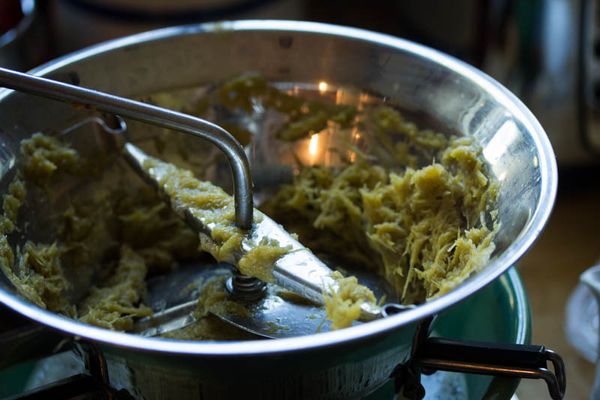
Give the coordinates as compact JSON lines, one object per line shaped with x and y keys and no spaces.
{"x":588,"y":319}
{"x":582,"y":322}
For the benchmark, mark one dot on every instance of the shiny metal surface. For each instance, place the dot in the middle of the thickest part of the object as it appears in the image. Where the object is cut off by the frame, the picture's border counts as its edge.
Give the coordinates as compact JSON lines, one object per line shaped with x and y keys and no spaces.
{"x":544,"y":52}
{"x":547,"y":52}
{"x":299,"y":271}
{"x":486,"y":327}
{"x":136,"y":110}
{"x":450,"y":93}
{"x":274,"y":315}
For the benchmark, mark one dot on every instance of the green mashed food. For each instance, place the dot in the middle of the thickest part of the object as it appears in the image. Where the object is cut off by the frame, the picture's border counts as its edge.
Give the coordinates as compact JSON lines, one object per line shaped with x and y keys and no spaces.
{"x":215,"y":208}
{"x":415,"y":206}
{"x":422,"y":229}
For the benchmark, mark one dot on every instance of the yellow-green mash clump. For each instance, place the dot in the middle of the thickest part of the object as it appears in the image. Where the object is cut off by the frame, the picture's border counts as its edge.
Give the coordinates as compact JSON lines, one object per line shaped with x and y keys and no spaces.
{"x":81,"y":235}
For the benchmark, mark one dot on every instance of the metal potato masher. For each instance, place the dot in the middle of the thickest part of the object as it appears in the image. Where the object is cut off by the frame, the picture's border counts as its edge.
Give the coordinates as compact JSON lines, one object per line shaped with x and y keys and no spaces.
{"x":299,"y":271}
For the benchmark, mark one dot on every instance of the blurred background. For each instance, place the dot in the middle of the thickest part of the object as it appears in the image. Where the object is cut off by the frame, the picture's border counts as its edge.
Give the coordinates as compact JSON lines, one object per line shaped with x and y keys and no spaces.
{"x":546,"y":52}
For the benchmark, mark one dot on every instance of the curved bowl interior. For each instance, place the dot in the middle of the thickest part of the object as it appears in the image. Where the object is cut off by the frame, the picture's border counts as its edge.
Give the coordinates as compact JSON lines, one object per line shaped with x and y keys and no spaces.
{"x":448,"y":94}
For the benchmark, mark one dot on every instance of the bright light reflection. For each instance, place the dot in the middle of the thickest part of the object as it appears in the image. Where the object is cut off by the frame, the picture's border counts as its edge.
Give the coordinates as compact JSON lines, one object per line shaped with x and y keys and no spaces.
{"x":313,"y":145}
{"x":323,"y":86}
{"x":502,"y":140}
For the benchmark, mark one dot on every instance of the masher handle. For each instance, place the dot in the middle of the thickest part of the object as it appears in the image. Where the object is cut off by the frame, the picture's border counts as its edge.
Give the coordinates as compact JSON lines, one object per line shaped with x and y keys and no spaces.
{"x":300,"y":271}
{"x":150,"y":114}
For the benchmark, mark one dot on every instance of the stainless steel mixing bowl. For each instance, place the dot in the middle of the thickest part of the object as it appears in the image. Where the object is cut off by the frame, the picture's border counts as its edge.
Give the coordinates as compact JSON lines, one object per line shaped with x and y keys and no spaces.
{"x":341,"y":364}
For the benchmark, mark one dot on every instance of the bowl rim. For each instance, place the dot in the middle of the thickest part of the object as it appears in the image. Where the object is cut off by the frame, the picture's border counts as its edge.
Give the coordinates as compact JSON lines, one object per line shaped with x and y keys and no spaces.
{"x":548,"y":188}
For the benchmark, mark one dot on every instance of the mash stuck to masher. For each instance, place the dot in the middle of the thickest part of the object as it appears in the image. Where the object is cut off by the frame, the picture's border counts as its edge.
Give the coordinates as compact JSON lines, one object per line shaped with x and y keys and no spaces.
{"x":233,"y":232}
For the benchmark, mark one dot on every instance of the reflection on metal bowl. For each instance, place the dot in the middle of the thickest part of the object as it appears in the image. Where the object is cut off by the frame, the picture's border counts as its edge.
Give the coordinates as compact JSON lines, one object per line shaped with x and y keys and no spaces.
{"x":348,"y":363}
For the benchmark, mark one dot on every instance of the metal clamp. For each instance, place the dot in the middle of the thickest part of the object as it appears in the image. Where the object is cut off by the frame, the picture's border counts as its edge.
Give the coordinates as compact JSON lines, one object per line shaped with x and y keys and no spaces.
{"x":512,"y":360}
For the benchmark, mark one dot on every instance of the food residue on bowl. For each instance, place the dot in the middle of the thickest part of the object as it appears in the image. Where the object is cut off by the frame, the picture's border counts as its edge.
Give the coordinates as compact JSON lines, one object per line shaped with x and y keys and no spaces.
{"x":414,"y":206}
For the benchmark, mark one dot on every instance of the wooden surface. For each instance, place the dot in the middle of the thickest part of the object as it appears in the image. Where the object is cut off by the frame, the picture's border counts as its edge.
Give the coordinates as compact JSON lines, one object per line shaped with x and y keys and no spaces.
{"x":568,"y":246}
